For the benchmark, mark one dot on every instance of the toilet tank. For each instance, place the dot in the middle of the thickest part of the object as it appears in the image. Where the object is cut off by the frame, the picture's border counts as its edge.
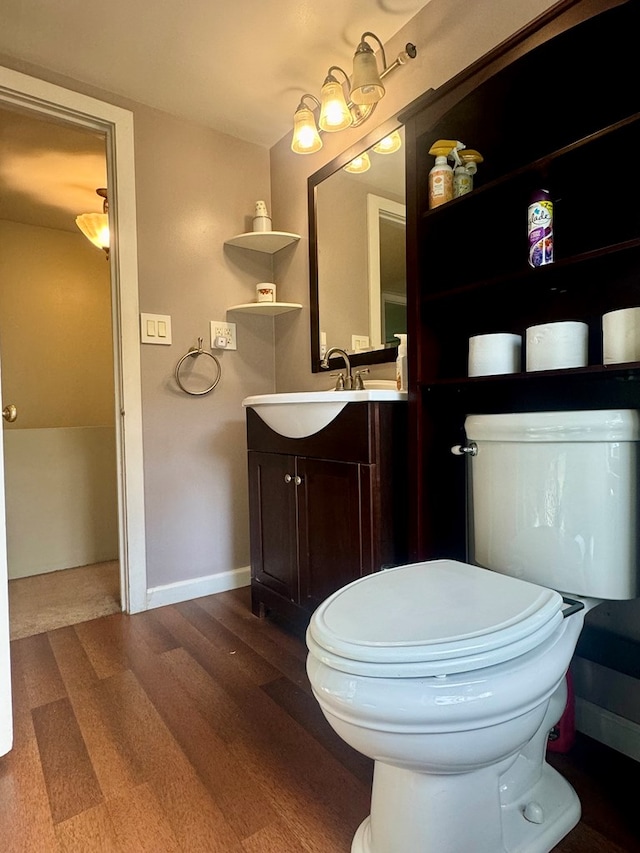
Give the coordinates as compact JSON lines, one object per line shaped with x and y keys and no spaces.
{"x":554,"y":499}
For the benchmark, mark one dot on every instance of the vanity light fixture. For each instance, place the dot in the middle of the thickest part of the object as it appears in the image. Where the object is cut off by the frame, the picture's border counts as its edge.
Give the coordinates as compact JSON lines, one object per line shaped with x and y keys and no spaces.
{"x":338,"y":113}
{"x":95,"y":226}
{"x":334,"y":112}
{"x":359,"y":164}
{"x":366,"y":87}
{"x":306,"y":138}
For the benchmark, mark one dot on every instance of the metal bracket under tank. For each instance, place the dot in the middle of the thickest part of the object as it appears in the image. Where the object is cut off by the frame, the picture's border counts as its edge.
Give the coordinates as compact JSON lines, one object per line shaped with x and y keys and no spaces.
{"x":574,"y":606}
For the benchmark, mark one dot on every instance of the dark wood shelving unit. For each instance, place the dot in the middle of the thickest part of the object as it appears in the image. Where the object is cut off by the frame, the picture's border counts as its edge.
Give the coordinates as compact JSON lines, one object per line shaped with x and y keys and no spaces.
{"x":554,"y":107}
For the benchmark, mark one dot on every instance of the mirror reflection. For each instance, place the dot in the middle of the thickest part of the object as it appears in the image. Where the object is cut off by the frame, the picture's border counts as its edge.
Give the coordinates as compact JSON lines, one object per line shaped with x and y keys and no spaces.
{"x":360,"y":245}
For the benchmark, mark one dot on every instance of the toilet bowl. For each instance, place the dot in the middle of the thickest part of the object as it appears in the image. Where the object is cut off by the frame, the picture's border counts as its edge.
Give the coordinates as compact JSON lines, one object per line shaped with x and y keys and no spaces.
{"x":453,"y":700}
{"x":451,"y":675}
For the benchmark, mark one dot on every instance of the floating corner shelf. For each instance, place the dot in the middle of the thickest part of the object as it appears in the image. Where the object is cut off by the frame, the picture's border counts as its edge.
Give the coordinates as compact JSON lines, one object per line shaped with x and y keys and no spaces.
{"x":271,"y":309}
{"x":268,"y":242}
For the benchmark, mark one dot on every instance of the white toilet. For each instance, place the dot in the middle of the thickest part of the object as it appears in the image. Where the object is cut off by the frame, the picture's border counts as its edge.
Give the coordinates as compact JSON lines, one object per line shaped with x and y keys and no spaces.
{"x":450,"y":676}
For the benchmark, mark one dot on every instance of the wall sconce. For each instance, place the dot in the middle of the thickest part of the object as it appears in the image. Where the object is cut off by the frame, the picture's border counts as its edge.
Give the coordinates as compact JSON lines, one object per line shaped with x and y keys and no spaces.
{"x":95,"y":226}
{"x":338,"y":113}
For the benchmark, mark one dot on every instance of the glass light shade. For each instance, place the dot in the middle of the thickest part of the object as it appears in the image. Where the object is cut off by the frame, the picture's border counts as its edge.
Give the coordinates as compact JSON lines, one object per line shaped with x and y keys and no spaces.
{"x":359,"y":164}
{"x":95,"y":227}
{"x":366,"y":85}
{"x":389,"y":144}
{"x":306,"y":138}
{"x":334,"y":113}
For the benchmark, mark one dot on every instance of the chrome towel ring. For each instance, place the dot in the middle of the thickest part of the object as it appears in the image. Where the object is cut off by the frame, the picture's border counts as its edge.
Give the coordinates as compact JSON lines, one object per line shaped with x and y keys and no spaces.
{"x":194,"y":352}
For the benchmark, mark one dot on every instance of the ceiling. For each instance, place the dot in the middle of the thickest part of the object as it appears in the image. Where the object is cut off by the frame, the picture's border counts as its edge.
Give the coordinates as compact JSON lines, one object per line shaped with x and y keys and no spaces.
{"x":238,"y":66}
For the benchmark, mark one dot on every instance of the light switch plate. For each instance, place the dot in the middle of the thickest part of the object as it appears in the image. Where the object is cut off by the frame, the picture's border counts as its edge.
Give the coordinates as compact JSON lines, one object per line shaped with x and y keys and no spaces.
{"x":155,"y":329}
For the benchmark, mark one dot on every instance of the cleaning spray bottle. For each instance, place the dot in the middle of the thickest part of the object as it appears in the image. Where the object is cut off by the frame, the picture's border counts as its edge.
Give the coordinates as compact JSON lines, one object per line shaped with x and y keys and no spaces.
{"x":401,"y":363}
{"x":441,"y":175}
{"x":466,"y":167}
{"x":540,"y":228}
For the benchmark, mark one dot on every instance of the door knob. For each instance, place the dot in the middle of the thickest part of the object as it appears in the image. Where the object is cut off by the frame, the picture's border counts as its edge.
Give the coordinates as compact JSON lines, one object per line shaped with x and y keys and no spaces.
{"x":10,"y":413}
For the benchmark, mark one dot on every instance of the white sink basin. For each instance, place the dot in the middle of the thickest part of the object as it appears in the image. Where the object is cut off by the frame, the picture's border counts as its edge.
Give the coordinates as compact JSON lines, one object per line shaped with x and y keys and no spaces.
{"x":302,"y":413}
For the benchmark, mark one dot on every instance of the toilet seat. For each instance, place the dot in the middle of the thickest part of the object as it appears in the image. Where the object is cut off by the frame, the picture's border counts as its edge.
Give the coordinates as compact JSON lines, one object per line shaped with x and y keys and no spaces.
{"x":432,"y":618}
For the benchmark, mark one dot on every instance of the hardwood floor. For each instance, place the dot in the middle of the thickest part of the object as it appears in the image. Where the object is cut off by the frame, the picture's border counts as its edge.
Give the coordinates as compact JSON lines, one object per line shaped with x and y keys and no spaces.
{"x":192,"y":728}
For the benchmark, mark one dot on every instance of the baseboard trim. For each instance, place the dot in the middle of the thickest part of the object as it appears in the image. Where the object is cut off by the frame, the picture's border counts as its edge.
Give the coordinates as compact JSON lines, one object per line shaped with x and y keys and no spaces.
{"x":174,"y":593}
{"x":606,"y":727}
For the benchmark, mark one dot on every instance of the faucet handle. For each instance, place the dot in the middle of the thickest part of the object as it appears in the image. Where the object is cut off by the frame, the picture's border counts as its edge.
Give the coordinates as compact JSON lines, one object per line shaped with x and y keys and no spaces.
{"x":339,"y":382}
{"x":358,"y":384}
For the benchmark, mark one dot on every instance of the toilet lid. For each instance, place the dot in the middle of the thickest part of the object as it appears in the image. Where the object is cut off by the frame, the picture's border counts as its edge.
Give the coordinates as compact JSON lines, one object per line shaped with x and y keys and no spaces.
{"x":431,"y":618}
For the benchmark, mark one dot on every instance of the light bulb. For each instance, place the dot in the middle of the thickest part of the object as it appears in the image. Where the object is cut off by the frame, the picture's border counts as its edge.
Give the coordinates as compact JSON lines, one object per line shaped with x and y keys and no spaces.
{"x":306,"y":139}
{"x":334,"y":113}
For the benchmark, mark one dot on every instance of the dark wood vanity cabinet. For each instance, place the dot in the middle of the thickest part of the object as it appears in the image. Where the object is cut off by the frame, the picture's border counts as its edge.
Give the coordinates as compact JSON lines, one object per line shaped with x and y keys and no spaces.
{"x":325,"y":509}
{"x":554,"y":107}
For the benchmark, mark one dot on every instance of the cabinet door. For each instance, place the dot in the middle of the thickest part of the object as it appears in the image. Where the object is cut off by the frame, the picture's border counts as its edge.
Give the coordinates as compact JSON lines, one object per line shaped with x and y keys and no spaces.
{"x":272,"y":508}
{"x":334,"y":528}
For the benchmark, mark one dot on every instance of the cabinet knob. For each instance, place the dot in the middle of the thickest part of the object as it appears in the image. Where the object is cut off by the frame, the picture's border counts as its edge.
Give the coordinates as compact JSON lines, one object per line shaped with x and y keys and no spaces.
{"x":297,"y":480}
{"x":287,"y":478}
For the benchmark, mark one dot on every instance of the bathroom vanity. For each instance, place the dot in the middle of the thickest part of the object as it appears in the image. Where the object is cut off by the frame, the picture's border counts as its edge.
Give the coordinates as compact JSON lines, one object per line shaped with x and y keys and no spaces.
{"x":547,"y":110}
{"x":325,"y":508}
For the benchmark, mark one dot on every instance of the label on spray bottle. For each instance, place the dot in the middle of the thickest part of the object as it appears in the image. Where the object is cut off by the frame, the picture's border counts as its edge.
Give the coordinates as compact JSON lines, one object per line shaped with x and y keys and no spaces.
{"x":440,"y":183}
{"x":540,"y":229}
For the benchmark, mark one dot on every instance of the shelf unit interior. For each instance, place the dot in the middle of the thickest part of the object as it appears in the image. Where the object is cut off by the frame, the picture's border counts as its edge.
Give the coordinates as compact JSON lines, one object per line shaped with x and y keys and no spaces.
{"x":553,"y":108}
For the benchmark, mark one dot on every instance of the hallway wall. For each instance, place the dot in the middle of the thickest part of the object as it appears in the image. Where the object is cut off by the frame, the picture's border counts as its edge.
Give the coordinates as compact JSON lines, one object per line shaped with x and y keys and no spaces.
{"x":57,"y":369}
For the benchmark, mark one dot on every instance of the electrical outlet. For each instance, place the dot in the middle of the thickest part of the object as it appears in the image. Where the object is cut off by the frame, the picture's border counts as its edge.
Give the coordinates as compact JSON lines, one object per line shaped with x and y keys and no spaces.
{"x":221,"y":330}
{"x":359,"y":342}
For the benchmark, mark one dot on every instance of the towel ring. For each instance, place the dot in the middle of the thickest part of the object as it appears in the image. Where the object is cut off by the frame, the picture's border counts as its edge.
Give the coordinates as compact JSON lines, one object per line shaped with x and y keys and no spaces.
{"x":194,"y":352}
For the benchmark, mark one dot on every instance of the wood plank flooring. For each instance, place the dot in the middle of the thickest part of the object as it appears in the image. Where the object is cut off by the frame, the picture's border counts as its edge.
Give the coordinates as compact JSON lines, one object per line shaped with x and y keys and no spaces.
{"x":192,"y":728}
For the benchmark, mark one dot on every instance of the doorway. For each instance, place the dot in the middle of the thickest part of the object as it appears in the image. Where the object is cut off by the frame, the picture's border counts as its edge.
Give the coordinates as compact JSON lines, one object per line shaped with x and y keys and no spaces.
{"x":58,"y":374}
{"x":28,"y":93}
{"x":113,"y":126}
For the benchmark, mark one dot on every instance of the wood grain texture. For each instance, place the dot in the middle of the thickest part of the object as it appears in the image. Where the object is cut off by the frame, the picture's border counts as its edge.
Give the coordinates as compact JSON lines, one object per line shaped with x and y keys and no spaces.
{"x":193,"y":729}
{"x":69,"y":776}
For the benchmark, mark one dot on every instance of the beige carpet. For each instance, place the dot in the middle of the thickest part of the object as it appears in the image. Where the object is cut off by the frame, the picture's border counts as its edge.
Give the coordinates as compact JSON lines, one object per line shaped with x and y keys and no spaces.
{"x":44,"y":602}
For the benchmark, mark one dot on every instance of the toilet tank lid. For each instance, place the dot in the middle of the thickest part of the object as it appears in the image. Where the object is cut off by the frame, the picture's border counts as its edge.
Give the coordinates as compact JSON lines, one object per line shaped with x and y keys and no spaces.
{"x":593,"y":425}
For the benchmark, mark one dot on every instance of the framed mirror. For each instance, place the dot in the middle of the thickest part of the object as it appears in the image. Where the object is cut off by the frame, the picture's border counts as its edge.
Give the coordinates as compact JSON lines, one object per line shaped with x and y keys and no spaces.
{"x":357,"y":246}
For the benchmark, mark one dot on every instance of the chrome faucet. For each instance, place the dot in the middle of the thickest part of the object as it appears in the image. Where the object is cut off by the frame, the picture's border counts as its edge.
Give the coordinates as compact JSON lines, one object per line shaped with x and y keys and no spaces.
{"x":345,"y":382}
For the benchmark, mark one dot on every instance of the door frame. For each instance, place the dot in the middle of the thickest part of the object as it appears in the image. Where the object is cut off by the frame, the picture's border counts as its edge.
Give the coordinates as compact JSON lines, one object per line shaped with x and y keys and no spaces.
{"x":30,"y":93}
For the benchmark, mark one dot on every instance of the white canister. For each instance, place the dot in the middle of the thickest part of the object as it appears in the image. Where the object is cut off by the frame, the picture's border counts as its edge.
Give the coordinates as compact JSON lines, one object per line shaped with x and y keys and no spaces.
{"x":265,"y":292}
{"x":261,"y":220}
{"x":498,"y":352}
{"x":555,"y":346}
{"x":621,"y":336}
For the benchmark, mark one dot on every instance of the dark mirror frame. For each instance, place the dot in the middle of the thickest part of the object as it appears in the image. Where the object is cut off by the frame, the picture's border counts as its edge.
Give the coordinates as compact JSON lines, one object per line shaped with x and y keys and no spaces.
{"x":378,"y":356}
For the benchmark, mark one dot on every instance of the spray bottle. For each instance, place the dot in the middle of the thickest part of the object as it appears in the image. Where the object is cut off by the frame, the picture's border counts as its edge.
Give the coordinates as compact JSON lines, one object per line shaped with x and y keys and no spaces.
{"x":401,"y":363}
{"x":465,"y":168}
{"x":441,"y":175}
{"x":540,"y":228}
